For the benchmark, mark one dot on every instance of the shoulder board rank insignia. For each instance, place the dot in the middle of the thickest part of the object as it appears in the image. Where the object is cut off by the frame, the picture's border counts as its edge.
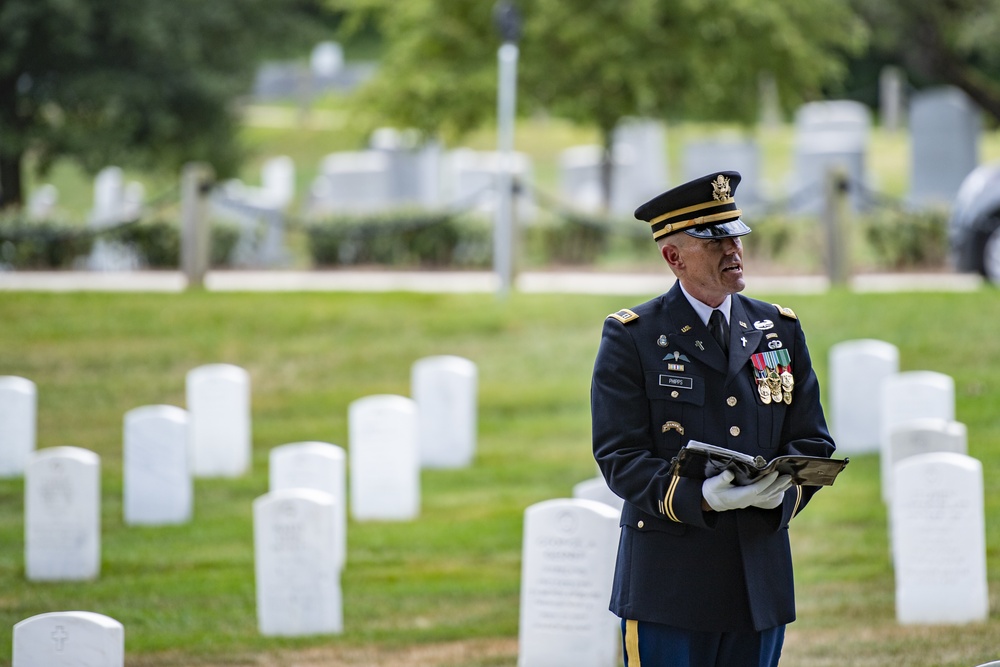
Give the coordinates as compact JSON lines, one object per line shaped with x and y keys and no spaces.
{"x":787,"y":312}
{"x":624,"y":316}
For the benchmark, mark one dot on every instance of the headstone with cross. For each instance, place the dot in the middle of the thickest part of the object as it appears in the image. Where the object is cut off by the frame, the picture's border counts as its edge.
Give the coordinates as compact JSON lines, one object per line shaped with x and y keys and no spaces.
{"x":69,"y":639}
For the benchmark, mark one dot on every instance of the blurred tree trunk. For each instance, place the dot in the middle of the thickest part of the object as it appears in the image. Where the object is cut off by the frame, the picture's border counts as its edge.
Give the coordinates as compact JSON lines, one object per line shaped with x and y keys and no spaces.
{"x":11,"y":187}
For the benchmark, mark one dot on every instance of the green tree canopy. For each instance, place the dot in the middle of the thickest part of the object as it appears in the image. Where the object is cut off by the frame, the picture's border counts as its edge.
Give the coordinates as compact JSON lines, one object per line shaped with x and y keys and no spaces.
{"x":941,"y":42}
{"x":147,"y":83}
{"x":599,"y":61}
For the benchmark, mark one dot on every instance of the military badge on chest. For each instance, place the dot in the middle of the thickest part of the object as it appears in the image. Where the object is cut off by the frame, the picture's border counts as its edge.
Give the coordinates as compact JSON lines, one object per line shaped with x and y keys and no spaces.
{"x":674,"y":360}
{"x":773,"y":372}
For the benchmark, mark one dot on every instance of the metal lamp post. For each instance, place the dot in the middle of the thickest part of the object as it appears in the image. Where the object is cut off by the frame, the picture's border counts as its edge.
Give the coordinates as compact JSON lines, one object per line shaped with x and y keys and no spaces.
{"x":508,"y":23}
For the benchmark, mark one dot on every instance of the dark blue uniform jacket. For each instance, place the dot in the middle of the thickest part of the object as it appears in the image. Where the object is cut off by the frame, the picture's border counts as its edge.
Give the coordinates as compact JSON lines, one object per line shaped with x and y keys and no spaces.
{"x":659,"y":380}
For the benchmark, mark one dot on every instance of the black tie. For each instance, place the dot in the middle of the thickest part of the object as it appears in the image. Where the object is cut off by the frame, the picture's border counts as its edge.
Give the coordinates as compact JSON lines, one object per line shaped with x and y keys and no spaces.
{"x":717,"y":325}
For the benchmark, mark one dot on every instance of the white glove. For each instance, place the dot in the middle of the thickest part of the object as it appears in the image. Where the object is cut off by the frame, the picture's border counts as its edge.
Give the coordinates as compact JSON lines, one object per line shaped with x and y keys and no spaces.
{"x":767,"y":492}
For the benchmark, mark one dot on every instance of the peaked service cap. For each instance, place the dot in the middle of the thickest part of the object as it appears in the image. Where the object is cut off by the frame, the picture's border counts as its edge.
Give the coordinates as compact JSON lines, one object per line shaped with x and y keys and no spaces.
{"x":703,"y":208}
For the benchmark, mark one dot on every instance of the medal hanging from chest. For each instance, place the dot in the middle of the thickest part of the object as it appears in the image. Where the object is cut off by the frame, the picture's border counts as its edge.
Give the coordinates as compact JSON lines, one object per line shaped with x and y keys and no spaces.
{"x":773,"y":372}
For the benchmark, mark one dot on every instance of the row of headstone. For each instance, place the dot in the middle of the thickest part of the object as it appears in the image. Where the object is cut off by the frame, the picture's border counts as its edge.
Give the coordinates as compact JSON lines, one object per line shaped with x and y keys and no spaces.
{"x":62,"y":484}
{"x":327,"y":70}
{"x":166,"y":446}
{"x":908,"y":400}
{"x":300,"y":540}
{"x":875,"y":408}
{"x":870,"y":397}
{"x":300,"y":525}
{"x":567,"y":570}
{"x":393,"y":437}
{"x":639,"y":169}
{"x":934,"y":494}
{"x":398,"y":171}
{"x":945,"y":128}
{"x":932,"y":488}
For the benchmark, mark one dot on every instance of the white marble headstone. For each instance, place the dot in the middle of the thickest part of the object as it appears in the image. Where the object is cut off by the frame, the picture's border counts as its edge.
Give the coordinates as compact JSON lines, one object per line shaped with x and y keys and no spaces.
{"x":297,"y":577}
{"x":69,"y":639}
{"x":923,"y":436}
{"x":445,"y":390}
{"x":314,"y":465}
{"x":939,"y":538}
{"x":857,"y":369}
{"x":567,"y":570}
{"x":157,"y":483}
{"x":384,"y":458}
{"x":18,"y":418}
{"x":907,"y":396}
{"x":218,"y":403}
{"x":62,"y":515}
{"x":596,"y":488}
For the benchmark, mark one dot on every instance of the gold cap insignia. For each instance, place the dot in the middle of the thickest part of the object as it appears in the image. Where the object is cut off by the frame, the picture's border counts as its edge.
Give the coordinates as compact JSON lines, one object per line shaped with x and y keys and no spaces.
{"x":720,"y":188}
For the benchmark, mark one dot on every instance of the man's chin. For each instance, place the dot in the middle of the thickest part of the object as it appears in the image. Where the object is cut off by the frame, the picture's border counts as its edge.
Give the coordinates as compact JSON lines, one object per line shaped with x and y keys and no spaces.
{"x":736,"y":282}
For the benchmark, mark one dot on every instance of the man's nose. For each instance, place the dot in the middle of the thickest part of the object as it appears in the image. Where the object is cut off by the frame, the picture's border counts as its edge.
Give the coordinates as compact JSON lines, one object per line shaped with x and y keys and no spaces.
{"x":732,"y":245}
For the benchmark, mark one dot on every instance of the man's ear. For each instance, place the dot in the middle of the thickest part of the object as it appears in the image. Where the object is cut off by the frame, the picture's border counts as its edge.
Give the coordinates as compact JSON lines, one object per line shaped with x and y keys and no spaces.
{"x":672,"y":256}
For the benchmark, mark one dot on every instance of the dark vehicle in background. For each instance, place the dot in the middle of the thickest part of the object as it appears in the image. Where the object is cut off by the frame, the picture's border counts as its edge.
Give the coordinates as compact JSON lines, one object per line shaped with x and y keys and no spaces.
{"x":974,"y":225}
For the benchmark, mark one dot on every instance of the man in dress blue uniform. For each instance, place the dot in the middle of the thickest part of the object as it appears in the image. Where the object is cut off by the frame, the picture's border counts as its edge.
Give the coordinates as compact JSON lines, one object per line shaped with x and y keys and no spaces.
{"x":704,"y":570}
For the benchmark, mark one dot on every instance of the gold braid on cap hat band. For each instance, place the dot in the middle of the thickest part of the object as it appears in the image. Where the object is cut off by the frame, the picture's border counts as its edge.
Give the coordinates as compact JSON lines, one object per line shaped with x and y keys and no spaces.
{"x":694,"y":222}
{"x":692,"y":209}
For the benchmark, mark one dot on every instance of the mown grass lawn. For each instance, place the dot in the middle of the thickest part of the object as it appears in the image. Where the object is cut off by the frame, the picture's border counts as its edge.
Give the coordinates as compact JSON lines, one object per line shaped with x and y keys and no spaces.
{"x":186,"y":593}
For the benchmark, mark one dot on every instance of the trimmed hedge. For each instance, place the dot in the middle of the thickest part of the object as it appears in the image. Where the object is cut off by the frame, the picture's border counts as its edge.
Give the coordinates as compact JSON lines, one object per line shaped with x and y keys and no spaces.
{"x":28,"y":244}
{"x":41,"y":245}
{"x":429,"y":239}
